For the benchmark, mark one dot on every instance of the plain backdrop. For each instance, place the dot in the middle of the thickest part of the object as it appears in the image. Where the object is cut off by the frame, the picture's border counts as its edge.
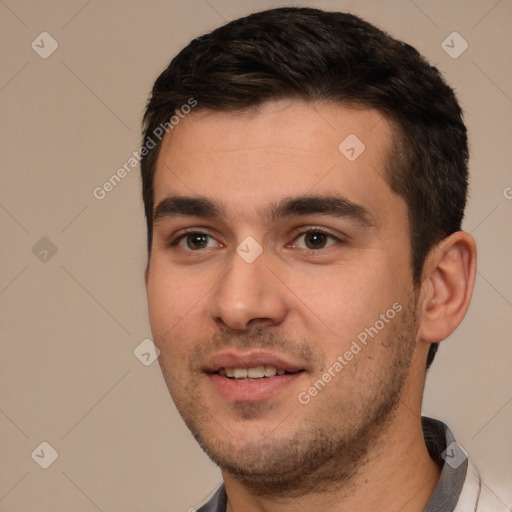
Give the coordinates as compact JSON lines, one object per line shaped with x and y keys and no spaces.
{"x":72,"y":299}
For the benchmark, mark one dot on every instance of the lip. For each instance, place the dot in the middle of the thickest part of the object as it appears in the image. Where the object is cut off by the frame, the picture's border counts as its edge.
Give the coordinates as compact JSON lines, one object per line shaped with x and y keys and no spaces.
{"x":250,"y":360}
{"x":251,"y":391}
{"x":246,"y":390}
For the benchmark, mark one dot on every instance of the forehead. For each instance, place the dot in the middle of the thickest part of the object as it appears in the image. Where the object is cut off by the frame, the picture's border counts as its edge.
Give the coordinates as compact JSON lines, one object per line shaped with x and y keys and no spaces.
{"x":281,"y":148}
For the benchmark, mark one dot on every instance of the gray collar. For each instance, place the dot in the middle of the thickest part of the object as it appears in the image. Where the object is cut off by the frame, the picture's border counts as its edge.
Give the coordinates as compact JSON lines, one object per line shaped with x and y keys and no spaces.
{"x":447,"y":453}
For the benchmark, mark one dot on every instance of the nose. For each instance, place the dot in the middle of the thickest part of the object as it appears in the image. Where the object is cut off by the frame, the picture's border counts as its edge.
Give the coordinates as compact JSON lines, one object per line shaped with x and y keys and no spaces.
{"x":249,"y":295}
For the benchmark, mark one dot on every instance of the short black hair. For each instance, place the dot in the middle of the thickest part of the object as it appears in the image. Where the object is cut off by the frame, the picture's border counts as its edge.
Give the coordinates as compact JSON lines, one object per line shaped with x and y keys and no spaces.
{"x":335,"y":57}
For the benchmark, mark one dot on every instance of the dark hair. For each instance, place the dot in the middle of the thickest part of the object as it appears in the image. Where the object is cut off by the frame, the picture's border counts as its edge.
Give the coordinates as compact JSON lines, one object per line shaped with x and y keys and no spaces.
{"x":331,"y":57}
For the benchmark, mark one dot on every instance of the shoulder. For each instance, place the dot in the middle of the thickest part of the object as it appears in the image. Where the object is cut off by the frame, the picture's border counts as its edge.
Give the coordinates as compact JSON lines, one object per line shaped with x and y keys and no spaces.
{"x":489,"y":502}
{"x":476,"y":496}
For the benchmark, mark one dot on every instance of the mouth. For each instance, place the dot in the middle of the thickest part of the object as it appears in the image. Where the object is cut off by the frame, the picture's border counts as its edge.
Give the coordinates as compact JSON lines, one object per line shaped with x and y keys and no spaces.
{"x":253,"y":374}
{"x":251,"y":377}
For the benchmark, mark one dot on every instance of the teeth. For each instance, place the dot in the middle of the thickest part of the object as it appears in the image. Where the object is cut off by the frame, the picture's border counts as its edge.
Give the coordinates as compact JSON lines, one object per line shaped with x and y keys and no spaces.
{"x":258,"y":372}
{"x":270,"y":371}
{"x":240,"y":373}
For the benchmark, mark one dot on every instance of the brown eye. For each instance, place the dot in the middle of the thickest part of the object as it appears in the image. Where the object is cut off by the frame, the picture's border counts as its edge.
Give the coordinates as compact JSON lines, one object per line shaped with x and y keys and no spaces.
{"x":197,"y":241}
{"x":315,"y":240}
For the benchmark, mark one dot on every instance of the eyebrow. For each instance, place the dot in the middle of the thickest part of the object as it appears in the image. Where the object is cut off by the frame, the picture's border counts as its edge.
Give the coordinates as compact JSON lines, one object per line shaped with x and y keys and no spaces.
{"x":329,"y":205}
{"x":187,"y":206}
{"x":334,"y":206}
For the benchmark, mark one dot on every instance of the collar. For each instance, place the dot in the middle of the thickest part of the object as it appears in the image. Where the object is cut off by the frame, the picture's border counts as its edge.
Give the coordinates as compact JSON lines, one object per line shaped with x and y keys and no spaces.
{"x":455,"y":478}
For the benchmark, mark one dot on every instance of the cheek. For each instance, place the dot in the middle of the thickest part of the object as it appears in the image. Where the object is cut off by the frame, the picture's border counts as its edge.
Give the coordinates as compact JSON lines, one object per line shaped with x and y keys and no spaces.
{"x":169,"y":300}
{"x":177,"y":305}
{"x":167,"y":317}
{"x":348,"y":298}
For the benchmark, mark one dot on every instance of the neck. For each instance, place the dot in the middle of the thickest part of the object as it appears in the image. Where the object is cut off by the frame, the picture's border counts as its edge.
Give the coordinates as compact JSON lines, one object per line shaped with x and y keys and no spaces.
{"x":397,"y":475}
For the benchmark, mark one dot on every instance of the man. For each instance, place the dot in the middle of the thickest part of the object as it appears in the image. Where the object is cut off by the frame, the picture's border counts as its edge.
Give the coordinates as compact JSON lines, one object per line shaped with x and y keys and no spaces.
{"x":304,"y":181}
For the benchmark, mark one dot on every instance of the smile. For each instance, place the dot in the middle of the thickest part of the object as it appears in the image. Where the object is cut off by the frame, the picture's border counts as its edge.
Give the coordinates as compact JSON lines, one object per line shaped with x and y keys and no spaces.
{"x":255,"y":373}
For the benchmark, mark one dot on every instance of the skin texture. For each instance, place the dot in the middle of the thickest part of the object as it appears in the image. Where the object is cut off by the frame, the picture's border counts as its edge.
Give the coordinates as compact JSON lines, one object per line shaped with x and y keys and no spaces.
{"x":357,"y":444}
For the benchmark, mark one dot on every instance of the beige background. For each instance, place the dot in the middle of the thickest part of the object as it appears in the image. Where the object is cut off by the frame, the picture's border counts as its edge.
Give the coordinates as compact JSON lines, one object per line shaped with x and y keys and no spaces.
{"x":70,"y":323}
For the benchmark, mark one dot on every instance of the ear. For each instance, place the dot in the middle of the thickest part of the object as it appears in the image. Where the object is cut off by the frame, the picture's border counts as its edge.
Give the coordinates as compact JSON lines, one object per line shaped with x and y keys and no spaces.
{"x":447,"y":286}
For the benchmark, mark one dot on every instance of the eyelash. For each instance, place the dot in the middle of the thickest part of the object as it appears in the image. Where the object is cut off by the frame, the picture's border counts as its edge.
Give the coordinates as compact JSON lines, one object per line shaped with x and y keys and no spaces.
{"x":315,"y":231}
{"x":177,"y":240}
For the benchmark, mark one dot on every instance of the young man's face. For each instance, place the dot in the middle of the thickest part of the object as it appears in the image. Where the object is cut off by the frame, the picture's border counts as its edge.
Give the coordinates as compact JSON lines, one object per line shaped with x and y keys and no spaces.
{"x":281,"y":251}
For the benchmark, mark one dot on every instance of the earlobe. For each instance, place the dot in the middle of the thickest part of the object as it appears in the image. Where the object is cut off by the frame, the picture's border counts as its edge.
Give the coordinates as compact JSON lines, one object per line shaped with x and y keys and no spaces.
{"x":447,"y":286}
